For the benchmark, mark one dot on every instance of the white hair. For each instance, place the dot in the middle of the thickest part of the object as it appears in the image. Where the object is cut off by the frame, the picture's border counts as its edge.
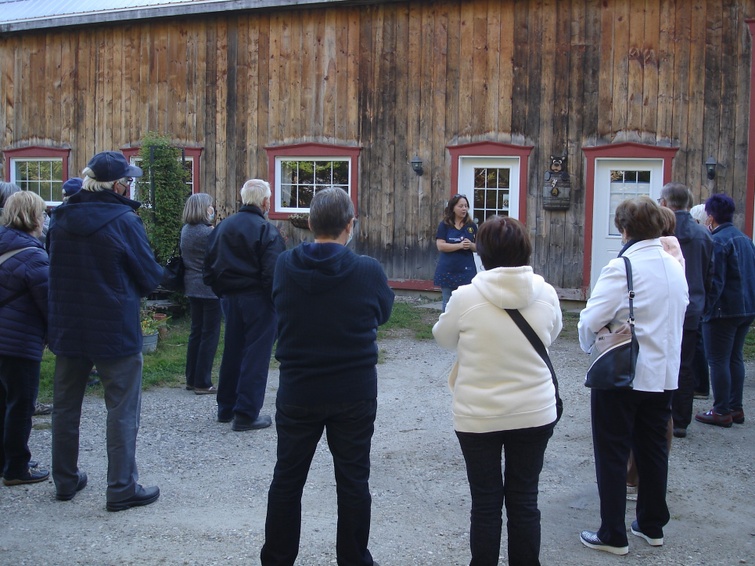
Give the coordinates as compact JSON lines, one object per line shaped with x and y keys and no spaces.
{"x":255,"y":191}
{"x":698,"y":213}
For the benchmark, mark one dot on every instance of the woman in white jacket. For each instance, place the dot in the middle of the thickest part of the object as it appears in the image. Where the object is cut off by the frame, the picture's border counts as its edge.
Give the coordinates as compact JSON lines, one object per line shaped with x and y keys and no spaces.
{"x":503,"y":393}
{"x":636,"y":418}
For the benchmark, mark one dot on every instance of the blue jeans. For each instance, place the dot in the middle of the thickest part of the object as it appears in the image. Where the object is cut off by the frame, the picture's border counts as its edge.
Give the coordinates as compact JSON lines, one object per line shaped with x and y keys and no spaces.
{"x":19,"y":385}
{"x":636,"y":420}
{"x":250,"y":330}
{"x":724,"y":342}
{"x":349,"y":428}
{"x":516,"y":487}
{"x":121,"y":380}
{"x":445,"y":293}
{"x":203,"y":341}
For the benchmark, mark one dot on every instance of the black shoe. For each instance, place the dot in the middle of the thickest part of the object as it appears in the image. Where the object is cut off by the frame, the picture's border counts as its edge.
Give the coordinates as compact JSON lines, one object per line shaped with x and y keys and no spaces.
{"x":80,"y":484}
{"x":242,"y":423}
{"x":680,"y":432}
{"x":143,"y":496}
{"x":590,"y":540}
{"x":32,"y":476}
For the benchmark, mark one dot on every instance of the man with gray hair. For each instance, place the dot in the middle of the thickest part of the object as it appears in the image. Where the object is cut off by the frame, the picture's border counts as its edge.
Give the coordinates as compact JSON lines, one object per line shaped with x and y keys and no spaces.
{"x":239,"y":265}
{"x":101,"y":264}
{"x":330,"y":302}
{"x":697,"y":249}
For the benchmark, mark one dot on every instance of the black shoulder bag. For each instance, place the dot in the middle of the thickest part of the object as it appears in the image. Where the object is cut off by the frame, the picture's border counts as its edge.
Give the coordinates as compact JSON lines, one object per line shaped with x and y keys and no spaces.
{"x":534,"y":339}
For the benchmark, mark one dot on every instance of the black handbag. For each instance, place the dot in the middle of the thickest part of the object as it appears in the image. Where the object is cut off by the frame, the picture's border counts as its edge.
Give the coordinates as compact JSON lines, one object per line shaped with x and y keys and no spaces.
{"x":613,"y":358}
{"x":534,"y":339}
{"x":173,"y":274}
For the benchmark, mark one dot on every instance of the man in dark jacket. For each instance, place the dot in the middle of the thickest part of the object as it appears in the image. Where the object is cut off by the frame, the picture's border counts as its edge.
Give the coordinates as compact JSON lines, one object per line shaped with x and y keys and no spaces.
{"x":101,"y":264}
{"x":697,"y":249}
{"x":239,"y":265}
{"x":330,"y":303}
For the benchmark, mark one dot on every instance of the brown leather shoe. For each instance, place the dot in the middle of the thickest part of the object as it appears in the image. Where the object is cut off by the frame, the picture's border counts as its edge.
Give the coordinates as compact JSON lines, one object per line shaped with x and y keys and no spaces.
{"x":738,"y":416}
{"x":713,"y":418}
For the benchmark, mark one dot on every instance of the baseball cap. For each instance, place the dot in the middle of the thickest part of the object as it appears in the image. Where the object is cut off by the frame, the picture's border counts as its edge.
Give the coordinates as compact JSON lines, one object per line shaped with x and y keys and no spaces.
{"x":111,"y":166}
{"x":72,"y":186}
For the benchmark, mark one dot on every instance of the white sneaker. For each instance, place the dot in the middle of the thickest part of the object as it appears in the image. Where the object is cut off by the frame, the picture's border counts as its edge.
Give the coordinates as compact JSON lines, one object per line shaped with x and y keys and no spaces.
{"x":651,"y":541}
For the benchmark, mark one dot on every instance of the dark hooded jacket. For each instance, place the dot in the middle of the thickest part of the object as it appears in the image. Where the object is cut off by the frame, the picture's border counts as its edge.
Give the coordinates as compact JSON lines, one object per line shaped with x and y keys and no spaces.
{"x":101,"y":264}
{"x":330,"y":303}
{"x":23,"y":320}
{"x":697,"y":249}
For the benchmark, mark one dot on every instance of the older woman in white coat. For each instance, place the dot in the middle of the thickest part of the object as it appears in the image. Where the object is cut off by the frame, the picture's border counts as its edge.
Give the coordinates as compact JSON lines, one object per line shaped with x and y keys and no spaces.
{"x":637,"y":418}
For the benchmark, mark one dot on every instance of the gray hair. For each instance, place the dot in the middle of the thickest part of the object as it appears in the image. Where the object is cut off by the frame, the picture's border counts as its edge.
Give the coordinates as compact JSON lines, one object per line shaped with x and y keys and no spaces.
{"x":330,"y":212}
{"x":23,"y":211}
{"x":676,"y":195}
{"x":255,"y":191}
{"x":195,"y":209}
{"x":6,"y":190}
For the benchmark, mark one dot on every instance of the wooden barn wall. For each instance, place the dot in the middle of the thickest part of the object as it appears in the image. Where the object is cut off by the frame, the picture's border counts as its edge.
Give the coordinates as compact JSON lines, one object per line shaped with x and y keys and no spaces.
{"x":398,"y":80}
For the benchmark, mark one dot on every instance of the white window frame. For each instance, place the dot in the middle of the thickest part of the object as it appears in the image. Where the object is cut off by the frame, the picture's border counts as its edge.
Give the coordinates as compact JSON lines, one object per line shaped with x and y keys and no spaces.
{"x":36,"y":154}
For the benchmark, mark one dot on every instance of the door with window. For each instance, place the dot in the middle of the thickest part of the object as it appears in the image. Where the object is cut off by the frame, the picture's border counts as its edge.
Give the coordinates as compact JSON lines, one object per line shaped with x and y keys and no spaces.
{"x":617,"y":180}
{"x":491,"y":185}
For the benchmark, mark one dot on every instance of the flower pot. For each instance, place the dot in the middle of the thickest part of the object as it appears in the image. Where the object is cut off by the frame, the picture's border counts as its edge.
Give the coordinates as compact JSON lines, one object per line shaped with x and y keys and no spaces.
{"x":149,"y":343}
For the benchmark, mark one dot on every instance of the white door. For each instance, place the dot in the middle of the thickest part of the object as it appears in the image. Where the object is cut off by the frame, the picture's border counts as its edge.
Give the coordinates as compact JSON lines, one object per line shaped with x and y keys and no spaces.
{"x":491,"y":185}
{"x":615,"y":181}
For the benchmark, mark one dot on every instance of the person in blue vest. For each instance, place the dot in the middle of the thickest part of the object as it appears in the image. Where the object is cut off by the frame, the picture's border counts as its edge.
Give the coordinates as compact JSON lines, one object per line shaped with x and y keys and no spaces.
{"x":330,"y":303}
{"x":101,"y":264}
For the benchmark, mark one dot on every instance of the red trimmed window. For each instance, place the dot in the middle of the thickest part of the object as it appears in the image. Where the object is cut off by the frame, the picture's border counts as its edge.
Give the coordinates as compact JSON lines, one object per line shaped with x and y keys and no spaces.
{"x":298,"y":171}
{"x":41,"y":170}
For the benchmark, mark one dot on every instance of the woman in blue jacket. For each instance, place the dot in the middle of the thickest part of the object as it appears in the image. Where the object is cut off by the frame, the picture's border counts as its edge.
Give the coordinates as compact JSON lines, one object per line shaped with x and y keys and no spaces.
{"x":23,"y":328}
{"x":729,"y":313}
{"x":455,"y":240}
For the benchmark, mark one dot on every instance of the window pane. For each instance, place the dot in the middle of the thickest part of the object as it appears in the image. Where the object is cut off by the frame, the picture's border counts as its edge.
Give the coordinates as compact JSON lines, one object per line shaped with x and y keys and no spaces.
{"x":301,"y":179}
{"x":41,"y":176}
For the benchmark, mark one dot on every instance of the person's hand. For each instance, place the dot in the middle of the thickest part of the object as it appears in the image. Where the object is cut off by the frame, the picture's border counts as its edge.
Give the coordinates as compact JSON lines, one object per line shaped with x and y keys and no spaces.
{"x":466,"y":244}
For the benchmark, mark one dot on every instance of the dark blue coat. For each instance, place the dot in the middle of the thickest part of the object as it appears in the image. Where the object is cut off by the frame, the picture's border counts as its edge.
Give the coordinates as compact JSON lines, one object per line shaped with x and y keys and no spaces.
{"x":732,"y":292}
{"x":23,"y":321}
{"x":330,"y":303}
{"x":101,"y":264}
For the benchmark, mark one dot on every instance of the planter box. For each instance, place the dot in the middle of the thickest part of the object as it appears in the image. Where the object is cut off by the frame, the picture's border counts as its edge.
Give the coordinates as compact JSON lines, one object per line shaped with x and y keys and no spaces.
{"x":149,"y":343}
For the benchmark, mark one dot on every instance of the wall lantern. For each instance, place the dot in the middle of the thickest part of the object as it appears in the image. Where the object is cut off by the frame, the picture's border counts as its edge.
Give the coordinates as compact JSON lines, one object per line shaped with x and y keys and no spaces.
{"x":416,"y":163}
{"x":710,"y":167}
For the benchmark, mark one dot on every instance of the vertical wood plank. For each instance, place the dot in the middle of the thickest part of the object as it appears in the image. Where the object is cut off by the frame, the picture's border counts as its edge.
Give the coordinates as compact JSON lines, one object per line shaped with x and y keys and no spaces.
{"x":606,"y":80}
{"x":650,"y":68}
{"x":329,"y":72}
{"x":634,"y":56}
{"x":694,"y":129}
{"x":666,"y":78}
{"x":505,"y":65}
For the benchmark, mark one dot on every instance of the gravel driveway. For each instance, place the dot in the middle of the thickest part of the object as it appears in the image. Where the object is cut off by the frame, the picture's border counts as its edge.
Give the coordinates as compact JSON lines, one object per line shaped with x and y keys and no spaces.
{"x":214,"y":483}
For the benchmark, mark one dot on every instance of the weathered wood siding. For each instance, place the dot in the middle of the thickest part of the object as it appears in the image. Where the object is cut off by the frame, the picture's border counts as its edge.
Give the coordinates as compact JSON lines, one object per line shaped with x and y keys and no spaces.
{"x":400,"y":79}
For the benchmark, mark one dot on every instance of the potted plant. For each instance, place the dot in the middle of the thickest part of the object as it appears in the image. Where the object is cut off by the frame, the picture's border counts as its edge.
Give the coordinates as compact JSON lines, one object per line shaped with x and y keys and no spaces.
{"x":152,"y":324}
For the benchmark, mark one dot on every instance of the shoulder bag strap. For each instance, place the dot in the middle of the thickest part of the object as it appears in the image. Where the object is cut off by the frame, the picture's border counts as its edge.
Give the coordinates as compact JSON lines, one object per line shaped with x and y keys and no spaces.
{"x":630,"y":289}
{"x":3,"y":258}
{"x":534,"y":339}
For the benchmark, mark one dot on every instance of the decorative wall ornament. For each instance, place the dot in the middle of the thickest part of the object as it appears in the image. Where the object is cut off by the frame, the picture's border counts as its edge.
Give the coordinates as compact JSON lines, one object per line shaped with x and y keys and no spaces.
{"x":557,"y":186}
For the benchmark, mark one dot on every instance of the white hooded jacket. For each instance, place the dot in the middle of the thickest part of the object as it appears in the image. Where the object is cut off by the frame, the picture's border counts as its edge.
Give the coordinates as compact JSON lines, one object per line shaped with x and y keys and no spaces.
{"x":500,"y":382}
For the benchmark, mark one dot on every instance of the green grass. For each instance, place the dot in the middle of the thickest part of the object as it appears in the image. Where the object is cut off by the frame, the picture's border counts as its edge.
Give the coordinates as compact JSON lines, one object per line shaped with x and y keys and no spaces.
{"x":165,"y":367}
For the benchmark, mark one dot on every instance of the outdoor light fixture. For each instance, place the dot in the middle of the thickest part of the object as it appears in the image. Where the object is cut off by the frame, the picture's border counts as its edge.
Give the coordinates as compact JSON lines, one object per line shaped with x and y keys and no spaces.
{"x":417,"y":165}
{"x":710,"y":167}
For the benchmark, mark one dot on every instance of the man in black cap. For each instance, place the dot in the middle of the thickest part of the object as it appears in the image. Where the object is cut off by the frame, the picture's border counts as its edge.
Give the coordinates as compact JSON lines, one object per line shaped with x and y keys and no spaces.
{"x":101,"y":264}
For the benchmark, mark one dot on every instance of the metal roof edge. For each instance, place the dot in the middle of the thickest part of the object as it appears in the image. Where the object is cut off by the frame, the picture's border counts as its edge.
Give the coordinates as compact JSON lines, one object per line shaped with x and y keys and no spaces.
{"x":163,"y":11}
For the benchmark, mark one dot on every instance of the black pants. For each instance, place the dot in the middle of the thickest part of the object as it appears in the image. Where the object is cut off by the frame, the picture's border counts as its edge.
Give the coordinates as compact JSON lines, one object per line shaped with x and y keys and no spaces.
{"x":203,"y":341}
{"x":636,"y":420}
{"x":19,"y":385}
{"x":349,"y":428}
{"x":682,"y":397}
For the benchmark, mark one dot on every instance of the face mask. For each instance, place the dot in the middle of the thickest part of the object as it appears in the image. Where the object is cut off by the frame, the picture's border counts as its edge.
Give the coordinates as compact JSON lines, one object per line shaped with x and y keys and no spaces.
{"x":348,"y":240}
{"x":211,"y":218}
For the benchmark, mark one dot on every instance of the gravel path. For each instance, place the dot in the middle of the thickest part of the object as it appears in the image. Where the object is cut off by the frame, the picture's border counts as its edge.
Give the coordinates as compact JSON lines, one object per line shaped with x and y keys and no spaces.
{"x":214,"y":483}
